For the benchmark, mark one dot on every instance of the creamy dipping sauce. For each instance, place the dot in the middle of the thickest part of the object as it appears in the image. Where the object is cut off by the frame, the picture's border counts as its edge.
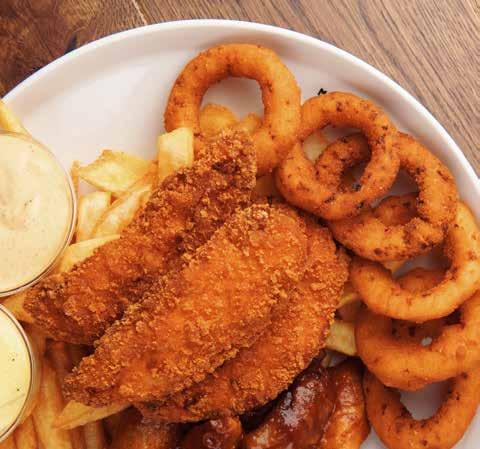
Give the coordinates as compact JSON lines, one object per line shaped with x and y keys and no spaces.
{"x":36,"y":210}
{"x":15,"y":372}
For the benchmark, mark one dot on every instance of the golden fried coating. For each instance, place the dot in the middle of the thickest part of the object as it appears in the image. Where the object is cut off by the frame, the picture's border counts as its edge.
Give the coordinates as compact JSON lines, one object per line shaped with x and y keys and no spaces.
{"x":259,"y":373}
{"x":180,"y":216}
{"x":198,"y":317}
{"x":132,"y":433}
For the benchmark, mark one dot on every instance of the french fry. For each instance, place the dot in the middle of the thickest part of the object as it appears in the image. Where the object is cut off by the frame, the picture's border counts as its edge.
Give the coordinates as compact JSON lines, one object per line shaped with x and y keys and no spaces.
{"x":94,"y":435}
{"x":57,"y":352}
{"x":15,"y":303}
{"x":76,"y":414}
{"x":48,"y":408}
{"x":9,"y":122}
{"x":250,"y":123}
{"x":90,"y":208}
{"x":214,"y":118}
{"x":174,"y":151}
{"x":112,"y":423}
{"x":314,"y":144}
{"x":342,"y":338}
{"x":59,"y":355}
{"x":115,"y":171}
{"x":9,"y":443}
{"x":78,"y":438}
{"x":25,"y":435}
{"x":37,"y":339}
{"x":122,"y":211}
{"x":78,"y":252}
{"x":74,"y":176}
{"x":349,"y":295}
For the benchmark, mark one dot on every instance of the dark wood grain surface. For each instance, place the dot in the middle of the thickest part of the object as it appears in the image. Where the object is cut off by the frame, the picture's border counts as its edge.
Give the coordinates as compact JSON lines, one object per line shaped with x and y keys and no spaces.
{"x":430,"y":47}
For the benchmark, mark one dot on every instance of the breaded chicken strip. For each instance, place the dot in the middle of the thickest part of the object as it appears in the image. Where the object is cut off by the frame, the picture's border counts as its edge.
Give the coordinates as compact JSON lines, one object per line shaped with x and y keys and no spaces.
{"x":200,"y":316}
{"x":180,"y":216}
{"x":259,"y":373}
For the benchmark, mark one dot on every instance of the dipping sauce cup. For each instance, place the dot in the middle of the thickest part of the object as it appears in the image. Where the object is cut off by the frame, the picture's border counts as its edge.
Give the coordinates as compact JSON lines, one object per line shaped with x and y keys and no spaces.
{"x":18,"y":374}
{"x":37,"y":211}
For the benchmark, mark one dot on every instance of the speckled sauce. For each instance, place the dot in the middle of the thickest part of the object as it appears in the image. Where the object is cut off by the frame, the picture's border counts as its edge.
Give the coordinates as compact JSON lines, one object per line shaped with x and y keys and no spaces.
{"x":15,"y":372}
{"x":36,"y":210}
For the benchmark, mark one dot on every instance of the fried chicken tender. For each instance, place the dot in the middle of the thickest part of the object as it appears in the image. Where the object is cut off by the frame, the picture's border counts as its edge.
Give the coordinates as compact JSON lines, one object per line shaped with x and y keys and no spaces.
{"x":198,"y":317}
{"x":133,"y":433}
{"x":181,"y":215}
{"x":259,"y":373}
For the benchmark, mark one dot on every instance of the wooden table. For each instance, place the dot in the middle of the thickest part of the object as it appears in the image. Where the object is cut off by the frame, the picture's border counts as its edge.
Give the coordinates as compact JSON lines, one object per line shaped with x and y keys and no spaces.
{"x":430,"y":47}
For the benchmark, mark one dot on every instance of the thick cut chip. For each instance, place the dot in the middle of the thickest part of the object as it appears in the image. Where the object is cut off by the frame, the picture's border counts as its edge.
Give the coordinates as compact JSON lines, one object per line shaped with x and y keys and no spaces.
{"x":115,"y":171}
{"x":90,"y":208}
{"x":122,"y":211}
{"x":76,"y":414}
{"x":174,"y":151}
{"x":342,"y":338}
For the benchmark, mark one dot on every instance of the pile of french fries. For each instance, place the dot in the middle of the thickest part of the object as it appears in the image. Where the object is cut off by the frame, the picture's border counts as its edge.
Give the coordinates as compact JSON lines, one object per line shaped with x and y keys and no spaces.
{"x":123,"y":183}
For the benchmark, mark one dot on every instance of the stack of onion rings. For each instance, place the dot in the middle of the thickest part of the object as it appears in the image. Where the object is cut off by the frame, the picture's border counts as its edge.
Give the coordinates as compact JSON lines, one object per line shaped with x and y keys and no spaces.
{"x":297,"y":177}
{"x":384,"y":296}
{"x":404,"y":362}
{"x":435,"y":207}
{"x":280,"y":95}
{"x":396,"y":427}
{"x":423,"y":303}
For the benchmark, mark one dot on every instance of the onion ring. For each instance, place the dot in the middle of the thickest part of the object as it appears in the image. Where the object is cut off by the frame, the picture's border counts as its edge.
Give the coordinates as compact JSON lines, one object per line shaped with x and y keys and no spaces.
{"x":396,"y":427}
{"x":402,"y":361}
{"x":384,"y":296}
{"x":297,"y":177}
{"x":348,"y":426}
{"x":280,"y":94}
{"x":371,"y":237}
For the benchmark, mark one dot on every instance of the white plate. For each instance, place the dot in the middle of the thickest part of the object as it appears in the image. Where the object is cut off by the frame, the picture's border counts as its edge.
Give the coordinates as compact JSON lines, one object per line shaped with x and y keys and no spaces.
{"x":112,"y":94}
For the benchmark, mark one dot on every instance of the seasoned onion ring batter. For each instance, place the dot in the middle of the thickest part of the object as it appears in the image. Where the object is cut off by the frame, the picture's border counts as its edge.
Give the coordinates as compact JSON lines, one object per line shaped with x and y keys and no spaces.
{"x":396,"y":427}
{"x":297,"y":177}
{"x":383,"y":295}
{"x":402,"y":361}
{"x":435,"y":207}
